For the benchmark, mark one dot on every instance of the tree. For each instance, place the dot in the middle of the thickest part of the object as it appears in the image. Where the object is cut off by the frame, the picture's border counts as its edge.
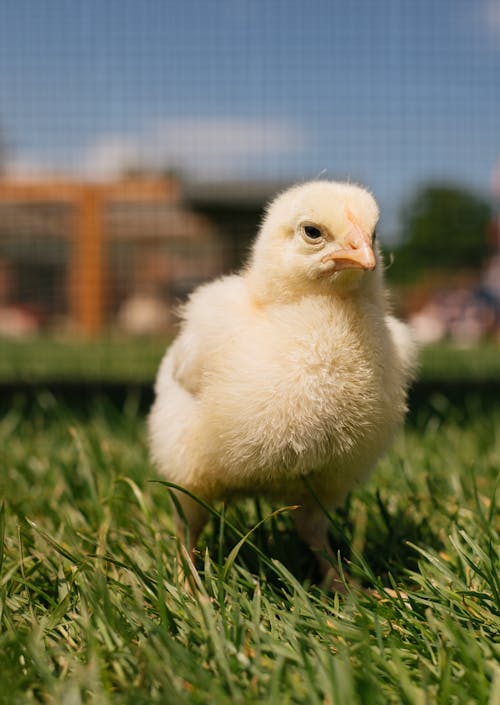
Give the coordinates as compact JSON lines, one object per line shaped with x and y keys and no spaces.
{"x":444,"y":227}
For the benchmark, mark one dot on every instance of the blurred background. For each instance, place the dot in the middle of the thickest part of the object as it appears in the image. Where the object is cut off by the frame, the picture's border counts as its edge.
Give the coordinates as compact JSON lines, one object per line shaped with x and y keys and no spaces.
{"x":140,"y":142}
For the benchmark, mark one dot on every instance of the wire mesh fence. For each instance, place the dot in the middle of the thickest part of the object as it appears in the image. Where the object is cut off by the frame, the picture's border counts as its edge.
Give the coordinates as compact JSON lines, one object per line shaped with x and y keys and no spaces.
{"x":139,"y":144}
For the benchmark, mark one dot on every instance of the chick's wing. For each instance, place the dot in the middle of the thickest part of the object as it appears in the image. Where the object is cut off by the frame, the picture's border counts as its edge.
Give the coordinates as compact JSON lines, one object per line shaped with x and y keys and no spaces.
{"x":210,"y":318}
{"x":187,"y":362}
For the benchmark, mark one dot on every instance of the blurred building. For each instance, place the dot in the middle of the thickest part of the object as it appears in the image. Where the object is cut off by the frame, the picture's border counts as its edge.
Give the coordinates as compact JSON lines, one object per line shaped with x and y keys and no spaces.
{"x":83,"y":258}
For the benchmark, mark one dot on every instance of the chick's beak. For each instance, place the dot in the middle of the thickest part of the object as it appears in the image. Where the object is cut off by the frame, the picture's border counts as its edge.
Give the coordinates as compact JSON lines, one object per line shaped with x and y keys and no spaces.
{"x":357,"y":252}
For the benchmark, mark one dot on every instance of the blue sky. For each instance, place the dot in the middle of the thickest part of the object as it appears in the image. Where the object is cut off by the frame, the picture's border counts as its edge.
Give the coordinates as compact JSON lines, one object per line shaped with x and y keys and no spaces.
{"x":388,"y":92}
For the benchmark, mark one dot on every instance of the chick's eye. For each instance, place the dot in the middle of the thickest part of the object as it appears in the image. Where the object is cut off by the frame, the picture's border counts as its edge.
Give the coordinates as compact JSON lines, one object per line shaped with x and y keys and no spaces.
{"x":312,"y":233}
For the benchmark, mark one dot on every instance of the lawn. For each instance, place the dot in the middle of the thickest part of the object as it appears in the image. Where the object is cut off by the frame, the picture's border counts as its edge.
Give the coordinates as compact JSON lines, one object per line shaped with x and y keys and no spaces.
{"x":102,"y":360}
{"x":92,"y":610}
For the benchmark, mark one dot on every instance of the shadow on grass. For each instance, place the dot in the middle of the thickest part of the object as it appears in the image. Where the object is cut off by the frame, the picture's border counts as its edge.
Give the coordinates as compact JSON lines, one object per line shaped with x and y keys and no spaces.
{"x":385,"y":552}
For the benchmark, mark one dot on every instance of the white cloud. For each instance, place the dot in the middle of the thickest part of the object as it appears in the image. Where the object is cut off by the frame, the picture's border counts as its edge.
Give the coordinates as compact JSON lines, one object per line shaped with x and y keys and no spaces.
{"x":24,"y":168}
{"x":492,"y":14}
{"x":489,"y":16}
{"x":204,"y":147}
{"x":109,"y":157}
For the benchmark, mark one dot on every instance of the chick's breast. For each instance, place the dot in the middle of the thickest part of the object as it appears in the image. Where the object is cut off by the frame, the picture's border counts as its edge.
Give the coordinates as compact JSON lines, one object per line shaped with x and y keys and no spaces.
{"x":276,"y":393}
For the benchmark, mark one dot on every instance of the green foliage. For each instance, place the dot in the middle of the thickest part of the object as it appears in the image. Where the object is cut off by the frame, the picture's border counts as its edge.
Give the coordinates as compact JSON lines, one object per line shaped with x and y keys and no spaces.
{"x":444,"y":227}
{"x":92,"y":609}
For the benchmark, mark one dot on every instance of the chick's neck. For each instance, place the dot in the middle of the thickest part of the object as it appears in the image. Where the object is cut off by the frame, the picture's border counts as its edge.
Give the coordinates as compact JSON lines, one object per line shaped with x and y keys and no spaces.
{"x":273,"y":289}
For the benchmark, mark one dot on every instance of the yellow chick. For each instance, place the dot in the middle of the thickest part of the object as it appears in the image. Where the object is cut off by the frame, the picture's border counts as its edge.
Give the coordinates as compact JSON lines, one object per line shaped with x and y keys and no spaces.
{"x":289,"y":379}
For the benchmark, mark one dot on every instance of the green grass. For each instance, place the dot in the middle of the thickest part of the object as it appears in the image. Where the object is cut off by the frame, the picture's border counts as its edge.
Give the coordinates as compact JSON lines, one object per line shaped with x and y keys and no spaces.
{"x":107,"y":359}
{"x":92,"y":610}
{"x":136,"y":360}
{"x":451,"y":362}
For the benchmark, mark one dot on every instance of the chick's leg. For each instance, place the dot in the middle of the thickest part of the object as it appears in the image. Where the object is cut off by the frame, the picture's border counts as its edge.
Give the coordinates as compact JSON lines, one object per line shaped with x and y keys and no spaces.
{"x":189,"y":521}
{"x":190,"y":518}
{"x":311,"y":523}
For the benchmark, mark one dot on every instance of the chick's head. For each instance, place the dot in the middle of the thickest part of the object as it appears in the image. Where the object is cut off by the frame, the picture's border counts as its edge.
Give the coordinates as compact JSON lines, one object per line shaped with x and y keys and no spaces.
{"x":318,"y":236}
